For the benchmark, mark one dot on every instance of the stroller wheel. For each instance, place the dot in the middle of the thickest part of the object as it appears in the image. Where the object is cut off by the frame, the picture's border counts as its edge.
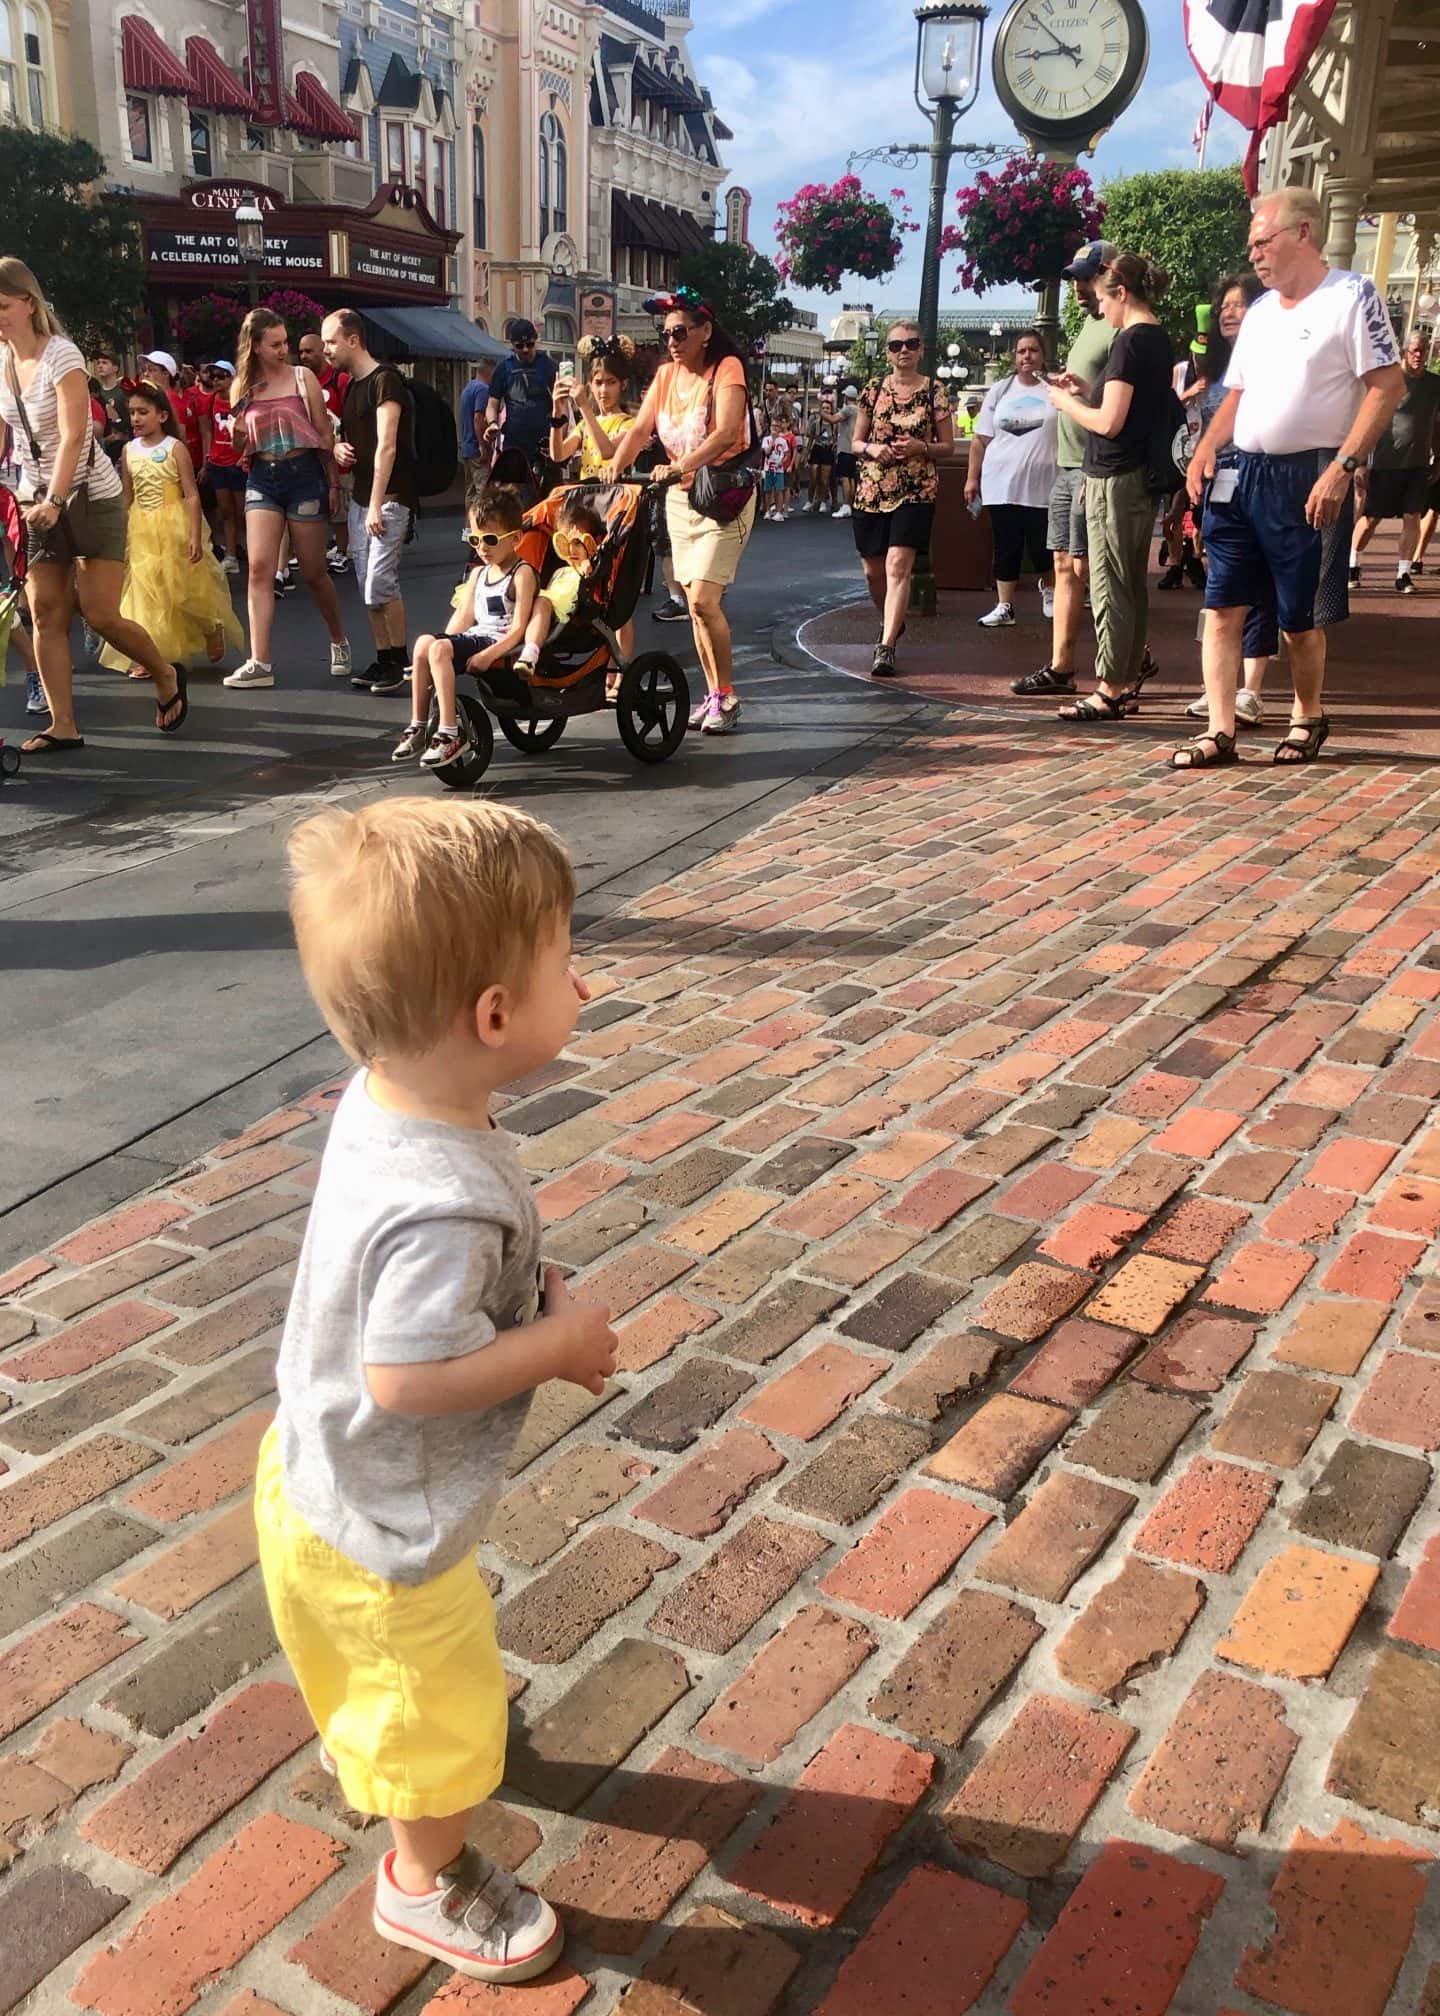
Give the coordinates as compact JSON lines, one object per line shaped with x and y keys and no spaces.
{"x":652,"y":708}
{"x":9,"y":760}
{"x":533,"y":737}
{"x":467,"y":770}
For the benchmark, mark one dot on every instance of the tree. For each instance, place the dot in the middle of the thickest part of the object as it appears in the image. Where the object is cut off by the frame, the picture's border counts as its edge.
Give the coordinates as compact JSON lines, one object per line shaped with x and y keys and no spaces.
{"x":85,"y":250}
{"x":741,"y":286}
{"x":1193,"y":222}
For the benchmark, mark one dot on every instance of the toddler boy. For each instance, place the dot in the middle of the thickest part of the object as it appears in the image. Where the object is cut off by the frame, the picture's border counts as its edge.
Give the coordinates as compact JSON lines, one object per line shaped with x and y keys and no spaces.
{"x":435,"y":939}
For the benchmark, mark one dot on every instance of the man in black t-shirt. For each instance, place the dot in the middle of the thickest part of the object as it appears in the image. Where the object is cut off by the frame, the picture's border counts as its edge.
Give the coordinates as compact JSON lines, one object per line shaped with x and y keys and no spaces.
{"x":377,"y":445}
{"x":522,"y":391}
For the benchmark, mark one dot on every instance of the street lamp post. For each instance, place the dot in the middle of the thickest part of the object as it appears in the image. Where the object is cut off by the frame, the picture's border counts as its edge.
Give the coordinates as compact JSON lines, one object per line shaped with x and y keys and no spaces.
{"x":250,"y":238}
{"x":947,"y":77}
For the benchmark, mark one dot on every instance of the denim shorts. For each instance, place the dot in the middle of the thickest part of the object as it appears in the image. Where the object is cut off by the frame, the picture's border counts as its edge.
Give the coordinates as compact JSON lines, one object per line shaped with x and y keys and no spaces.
{"x":1261,"y":551}
{"x":296,"y":487}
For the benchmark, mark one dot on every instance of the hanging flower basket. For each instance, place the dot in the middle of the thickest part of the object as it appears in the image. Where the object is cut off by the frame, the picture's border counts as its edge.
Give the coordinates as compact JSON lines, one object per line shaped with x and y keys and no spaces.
{"x":1022,"y":224}
{"x":208,"y":327}
{"x":299,"y":312}
{"x":826,"y":232}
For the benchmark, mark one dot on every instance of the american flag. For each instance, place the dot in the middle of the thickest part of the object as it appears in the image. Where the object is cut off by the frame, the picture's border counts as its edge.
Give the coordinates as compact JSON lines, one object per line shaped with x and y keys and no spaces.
{"x":1252,"y":54}
{"x":1202,"y":126}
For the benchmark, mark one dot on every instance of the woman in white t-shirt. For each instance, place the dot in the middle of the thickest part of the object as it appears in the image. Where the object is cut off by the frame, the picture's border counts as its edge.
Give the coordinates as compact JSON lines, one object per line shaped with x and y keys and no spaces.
{"x":45,"y":422}
{"x":1012,"y":471}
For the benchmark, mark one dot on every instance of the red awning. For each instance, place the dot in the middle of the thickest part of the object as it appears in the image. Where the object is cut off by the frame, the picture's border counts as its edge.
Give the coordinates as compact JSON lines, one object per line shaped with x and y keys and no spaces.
{"x":325,"y":120}
{"x":214,"y":87}
{"x":146,"y":63}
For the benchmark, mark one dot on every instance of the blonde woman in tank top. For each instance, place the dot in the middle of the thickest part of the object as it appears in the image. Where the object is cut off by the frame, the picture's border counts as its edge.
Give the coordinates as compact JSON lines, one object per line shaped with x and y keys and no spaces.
{"x":286,"y":441}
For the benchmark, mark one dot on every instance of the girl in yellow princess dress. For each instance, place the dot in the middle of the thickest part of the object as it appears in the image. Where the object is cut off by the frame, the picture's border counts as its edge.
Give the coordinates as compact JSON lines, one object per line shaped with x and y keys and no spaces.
{"x":173,"y":584}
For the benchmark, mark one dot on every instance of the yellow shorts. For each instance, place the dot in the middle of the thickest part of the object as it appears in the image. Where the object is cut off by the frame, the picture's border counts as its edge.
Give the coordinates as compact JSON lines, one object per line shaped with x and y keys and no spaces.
{"x":404,"y":1683}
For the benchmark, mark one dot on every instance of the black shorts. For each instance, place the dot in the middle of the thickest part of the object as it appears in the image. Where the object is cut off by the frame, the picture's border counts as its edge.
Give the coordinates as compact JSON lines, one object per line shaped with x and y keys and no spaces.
{"x":822,"y":458}
{"x":907,"y":525}
{"x":847,"y":466}
{"x":1396,"y":493}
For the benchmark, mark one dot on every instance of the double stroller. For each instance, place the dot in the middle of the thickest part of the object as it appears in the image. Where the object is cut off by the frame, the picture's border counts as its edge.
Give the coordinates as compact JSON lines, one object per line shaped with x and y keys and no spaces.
{"x":12,"y":582}
{"x":532,"y":705}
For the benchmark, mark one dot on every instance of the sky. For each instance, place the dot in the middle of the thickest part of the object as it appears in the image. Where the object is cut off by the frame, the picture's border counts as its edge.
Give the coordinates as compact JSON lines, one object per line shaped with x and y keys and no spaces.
{"x":804,"y":83}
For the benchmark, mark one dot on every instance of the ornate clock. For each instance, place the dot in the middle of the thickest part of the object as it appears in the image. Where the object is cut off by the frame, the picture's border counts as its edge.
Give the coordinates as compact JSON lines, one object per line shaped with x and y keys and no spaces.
{"x":1066,"y":69}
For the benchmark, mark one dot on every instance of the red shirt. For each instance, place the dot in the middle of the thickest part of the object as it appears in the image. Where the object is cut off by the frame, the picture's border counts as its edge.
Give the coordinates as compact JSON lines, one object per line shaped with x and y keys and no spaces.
{"x":334,"y":384}
{"x":187,"y":415}
{"x":222,"y":423}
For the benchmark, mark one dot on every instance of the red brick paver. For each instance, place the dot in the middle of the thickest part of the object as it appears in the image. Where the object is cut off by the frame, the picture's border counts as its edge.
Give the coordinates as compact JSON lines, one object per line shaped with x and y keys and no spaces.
{"x":1014,"y":1178}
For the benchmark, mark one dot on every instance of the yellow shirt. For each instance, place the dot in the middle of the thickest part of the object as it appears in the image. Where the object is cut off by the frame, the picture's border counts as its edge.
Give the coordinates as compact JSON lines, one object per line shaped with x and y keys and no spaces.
{"x":612,"y":426}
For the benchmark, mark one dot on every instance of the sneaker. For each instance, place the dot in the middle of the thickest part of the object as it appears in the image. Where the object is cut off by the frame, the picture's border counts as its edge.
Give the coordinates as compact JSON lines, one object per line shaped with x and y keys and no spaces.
{"x":843,"y":511}
{"x":807,"y":509}
{"x":363,"y":680}
{"x":282,"y":586}
{"x":335,"y":560}
{"x":719,"y":715}
{"x":478,"y":1920}
{"x":824,"y":510}
{"x":251,"y":673}
{"x":230,"y":565}
{"x":410,"y":743}
{"x":1173,"y":577}
{"x":1249,"y":708}
{"x":1417,"y":568}
{"x":1001,"y":617}
{"x":1195,"y":571}
{"x":1047,"y":603}
{"x":1046,"y":680}
{"x":1404,"y":585}
{"x":342,"y":665}
{"x":882,"y":665}
{"x":445,"y":745}
{"x":35,"y":701}
{"x":671,"y":610}
{"x":1199,"y":710}
{"x":391,"y":682}
{"x":1354,"y":577}
{"x":699,"y":711}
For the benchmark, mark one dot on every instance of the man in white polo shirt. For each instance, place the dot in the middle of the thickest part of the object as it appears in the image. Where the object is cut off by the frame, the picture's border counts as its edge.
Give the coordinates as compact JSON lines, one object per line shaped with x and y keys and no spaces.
{"x":1313,"y":380}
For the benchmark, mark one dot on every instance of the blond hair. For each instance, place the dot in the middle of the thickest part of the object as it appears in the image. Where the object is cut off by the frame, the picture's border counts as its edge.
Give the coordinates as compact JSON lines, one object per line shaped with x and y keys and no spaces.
{"x":1297,"y":205}
{"x":405,"y":912}
{"x":247,"y":362}
{"x":20,"y":284}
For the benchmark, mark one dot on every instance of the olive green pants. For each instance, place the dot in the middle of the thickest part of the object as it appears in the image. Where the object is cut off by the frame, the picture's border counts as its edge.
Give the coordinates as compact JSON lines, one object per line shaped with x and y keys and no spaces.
{"x":1119,"y":521}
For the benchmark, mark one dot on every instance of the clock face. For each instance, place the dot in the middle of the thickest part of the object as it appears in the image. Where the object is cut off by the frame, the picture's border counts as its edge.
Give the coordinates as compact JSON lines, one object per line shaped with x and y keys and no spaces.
{"x":1069,"y":64}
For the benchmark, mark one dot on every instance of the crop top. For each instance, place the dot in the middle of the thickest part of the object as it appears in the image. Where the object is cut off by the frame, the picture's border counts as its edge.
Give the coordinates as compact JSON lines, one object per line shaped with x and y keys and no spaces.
{"x":277,"y":428}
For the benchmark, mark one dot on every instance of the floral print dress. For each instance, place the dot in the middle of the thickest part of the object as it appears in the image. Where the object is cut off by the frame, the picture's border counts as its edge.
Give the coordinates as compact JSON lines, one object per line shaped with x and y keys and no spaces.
{"x":916,"y":415}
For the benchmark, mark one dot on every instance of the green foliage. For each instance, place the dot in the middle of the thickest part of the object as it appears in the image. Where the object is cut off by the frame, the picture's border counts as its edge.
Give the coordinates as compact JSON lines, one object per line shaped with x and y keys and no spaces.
{"x":741,"y":286}
{"x":860,"y":366}
{"x":1192,"y":222}
{"x":83,"y":248}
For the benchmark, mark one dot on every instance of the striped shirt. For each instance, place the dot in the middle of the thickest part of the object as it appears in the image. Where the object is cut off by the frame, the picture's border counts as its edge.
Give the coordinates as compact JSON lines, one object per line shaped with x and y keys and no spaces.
{"x":56,"y":361}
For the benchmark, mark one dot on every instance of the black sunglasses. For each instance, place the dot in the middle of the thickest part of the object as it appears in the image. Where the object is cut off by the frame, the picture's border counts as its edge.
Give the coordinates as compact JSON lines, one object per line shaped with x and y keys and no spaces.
{"x":677,"y":332}
{"x":903,"y":343}
{"x":524,"y":343}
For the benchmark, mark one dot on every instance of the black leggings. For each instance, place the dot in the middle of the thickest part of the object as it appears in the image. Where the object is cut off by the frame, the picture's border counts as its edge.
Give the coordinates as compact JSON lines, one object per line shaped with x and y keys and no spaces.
{"x":1019,"y":529}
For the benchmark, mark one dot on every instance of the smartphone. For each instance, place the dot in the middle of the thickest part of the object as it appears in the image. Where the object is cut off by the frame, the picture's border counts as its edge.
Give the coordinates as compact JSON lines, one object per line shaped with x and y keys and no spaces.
{"x":974,"y":507}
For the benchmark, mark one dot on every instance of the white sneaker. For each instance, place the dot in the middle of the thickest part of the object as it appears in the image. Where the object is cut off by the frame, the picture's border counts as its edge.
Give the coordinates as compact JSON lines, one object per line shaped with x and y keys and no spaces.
{"x":477,"y":1919}
{"x":842,"y":511}
{"x":1047,"y":603}
{"x":807,"y":508}
{"x":230,"y":565}
{"x":1001,"y":617}
{"x":1249,"y":708}
{"x":341,"y":663}
{"x":251,"y":673}
{"x":1199,"y":710}
{"x":824,"y":510}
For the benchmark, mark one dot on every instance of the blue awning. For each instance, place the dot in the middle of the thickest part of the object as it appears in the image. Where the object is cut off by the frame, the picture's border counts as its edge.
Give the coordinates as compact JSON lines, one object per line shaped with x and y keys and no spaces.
{"x":437,"y":332}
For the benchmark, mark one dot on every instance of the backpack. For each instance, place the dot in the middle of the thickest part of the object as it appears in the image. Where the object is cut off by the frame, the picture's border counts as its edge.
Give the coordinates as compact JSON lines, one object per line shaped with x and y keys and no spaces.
{"x":437,"y":444}
{"x":1169,"y":448}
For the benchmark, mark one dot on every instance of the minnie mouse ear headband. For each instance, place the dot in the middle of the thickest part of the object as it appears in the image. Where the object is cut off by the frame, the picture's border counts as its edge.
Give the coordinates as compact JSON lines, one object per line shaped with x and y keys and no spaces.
{"x":606,"y":350}
{"x":687,"y":298}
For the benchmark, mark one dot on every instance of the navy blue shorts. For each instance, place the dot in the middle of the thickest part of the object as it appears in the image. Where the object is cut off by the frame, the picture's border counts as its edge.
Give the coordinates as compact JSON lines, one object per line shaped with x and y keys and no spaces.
{"x":1261,"y":552}
{"x":297,"y":487}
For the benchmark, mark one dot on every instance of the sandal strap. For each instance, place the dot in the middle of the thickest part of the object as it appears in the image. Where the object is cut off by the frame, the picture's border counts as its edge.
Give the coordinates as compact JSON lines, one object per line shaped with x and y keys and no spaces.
{"x":1096,"y":707}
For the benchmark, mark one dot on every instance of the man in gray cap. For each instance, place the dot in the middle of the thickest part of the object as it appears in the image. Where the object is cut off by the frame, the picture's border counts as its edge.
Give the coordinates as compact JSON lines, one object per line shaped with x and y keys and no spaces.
{"x":1067,"y":498}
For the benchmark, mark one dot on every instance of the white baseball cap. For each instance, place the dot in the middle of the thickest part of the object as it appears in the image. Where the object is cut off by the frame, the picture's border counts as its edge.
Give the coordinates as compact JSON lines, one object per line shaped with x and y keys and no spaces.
{"x":162,"y":358}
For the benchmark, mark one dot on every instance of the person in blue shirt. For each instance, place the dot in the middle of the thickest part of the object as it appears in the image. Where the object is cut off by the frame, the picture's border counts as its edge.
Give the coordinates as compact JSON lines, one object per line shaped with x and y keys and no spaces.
{"x":473,"y":402}
{"x":522,"y":390}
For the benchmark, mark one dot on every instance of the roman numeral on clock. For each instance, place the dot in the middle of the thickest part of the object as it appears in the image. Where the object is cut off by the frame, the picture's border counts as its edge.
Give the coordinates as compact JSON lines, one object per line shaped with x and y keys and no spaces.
{"x":1104,"y":72}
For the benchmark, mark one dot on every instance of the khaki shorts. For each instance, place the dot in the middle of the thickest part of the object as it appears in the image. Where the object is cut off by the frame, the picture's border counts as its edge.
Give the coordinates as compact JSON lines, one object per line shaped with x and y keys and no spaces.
{"x":700,"y":549}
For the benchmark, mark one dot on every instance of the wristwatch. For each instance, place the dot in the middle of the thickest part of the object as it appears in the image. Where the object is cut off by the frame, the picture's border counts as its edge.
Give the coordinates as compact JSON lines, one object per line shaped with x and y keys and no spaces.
{"x":1349,"y":463}
{"x":57,"y":502}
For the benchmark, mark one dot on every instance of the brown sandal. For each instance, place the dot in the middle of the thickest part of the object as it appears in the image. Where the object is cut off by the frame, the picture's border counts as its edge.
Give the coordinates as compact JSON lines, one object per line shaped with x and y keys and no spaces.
{"x":1221,"y":750}
{"x":1313,"y":737}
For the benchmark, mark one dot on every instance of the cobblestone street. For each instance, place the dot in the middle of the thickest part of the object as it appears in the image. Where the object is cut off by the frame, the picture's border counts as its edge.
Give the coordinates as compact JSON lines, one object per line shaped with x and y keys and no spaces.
{"x":1005,"y":1574}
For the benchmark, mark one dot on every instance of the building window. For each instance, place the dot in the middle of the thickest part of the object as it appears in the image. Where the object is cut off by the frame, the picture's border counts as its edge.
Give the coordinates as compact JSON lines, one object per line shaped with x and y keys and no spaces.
{"x":417,"y":157}
{"x":257,"y":140}
{"x":137,"y":124}
{"x":477,"y":170}
{"x":437,"y":182}
{"x":9,"y":104}
{"x":394,"y":150}
{"x":200,"y":154}
{"x":558,"y":333}
{"x":34,"y":67}
{"x":554,"y":177}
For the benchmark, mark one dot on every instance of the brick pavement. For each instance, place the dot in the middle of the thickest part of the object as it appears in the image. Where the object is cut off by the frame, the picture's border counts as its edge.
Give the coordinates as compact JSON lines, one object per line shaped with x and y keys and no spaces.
{"x":1005,"y":1574}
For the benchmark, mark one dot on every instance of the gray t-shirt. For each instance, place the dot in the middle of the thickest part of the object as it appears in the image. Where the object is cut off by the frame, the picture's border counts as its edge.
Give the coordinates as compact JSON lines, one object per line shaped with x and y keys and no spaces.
{"x":423,"y":1243}
{"x":1405,"y":444}
{"x":845,"y":420}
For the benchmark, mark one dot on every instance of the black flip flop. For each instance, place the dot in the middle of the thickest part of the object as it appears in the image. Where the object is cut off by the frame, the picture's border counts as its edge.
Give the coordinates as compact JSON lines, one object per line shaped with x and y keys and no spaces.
{"x":53,"y":745}
{"x":182,"y":694}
